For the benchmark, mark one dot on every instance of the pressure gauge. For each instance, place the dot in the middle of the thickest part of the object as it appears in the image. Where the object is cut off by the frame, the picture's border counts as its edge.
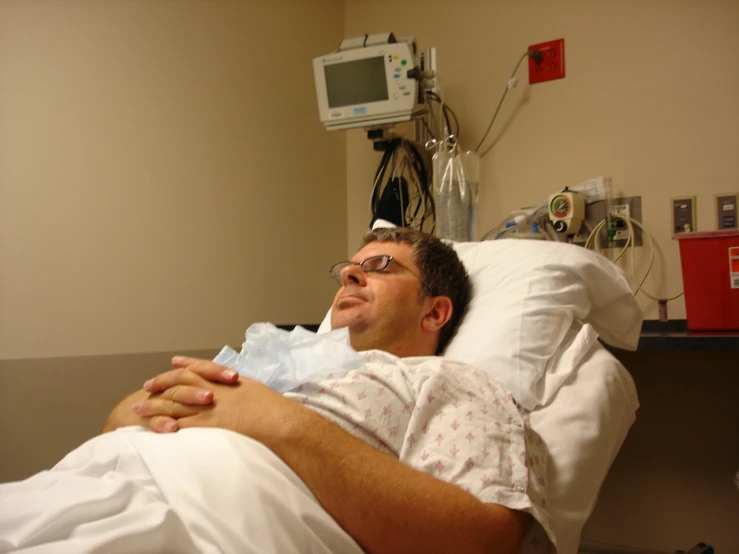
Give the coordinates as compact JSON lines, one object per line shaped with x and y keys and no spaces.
{"x":560,"y":206}
{"x":566,"y":211}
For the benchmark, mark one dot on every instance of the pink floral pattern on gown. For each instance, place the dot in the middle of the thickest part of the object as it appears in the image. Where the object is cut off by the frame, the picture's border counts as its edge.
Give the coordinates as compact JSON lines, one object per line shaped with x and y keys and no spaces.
{"x":447,"y":419}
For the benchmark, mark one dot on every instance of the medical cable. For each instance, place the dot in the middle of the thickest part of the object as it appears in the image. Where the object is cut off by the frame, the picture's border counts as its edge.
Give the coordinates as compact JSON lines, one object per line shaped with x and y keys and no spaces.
{"x":537,"y":55}
{"x":408,"y":180}
{"x":426,"y":198}
{"x":530,"y":215}
{"x":630,"y":244}
{"x":446,"y":112}
{"x":428,"y":129}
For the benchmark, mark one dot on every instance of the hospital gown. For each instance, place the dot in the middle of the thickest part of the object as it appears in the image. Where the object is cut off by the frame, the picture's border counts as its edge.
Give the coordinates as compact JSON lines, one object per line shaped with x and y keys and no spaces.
{"x":446,"y":419}
{"x":211,"y":490}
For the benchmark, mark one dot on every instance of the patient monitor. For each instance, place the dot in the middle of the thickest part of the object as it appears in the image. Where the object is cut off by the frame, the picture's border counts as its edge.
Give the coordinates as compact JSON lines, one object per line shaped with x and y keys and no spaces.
{"x":368,"y":82}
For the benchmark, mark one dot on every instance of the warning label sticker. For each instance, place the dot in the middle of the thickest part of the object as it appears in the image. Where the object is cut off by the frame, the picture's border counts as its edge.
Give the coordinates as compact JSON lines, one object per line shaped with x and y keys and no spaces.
{"x":734,"y":267}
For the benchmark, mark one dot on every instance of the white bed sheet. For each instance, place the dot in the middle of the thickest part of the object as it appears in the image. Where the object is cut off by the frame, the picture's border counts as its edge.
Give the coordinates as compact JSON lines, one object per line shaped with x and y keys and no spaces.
{"x":235,"y":494}
{"x":583,"y":426}
{"x":198,"y":490}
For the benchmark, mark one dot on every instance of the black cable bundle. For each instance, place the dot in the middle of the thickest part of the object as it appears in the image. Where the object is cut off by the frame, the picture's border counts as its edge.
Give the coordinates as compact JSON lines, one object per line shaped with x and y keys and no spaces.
{"x":405,"y":199}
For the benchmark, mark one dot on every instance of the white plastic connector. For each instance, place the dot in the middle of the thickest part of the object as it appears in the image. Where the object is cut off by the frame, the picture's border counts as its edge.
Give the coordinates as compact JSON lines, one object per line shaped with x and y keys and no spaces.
{"x":598,"y":188}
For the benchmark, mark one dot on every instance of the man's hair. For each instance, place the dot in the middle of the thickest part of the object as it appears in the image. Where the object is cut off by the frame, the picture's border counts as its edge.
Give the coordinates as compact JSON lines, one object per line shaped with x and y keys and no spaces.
{"x":442,"y":272}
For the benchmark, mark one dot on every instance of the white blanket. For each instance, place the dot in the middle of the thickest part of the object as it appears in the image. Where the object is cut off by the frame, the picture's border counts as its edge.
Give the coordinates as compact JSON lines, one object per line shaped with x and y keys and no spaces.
{"x":198,"y":490}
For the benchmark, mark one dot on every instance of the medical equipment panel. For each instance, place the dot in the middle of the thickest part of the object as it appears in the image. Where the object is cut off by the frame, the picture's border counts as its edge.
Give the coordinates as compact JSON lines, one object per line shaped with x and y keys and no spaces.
{"x":368,"y":82}
{"x":567,"y":211}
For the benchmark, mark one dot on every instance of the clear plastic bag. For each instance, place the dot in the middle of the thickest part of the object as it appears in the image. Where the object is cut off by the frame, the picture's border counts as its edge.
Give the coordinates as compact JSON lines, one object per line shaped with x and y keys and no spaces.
{"x":455,"y":178}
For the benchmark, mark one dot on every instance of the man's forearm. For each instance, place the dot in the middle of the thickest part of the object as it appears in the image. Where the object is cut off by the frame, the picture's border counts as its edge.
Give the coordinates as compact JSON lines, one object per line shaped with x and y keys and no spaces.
{"x":122,"y":415}
{"x":387,"y":506}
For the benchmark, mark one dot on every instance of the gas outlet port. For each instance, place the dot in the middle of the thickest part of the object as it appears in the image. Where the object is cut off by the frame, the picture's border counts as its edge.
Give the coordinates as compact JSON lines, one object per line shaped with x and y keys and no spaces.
{"x":683,"y":215}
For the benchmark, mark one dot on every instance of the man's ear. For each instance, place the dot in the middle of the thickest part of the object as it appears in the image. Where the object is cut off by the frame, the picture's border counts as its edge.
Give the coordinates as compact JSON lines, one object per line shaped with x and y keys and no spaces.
{"x":439,"y":312}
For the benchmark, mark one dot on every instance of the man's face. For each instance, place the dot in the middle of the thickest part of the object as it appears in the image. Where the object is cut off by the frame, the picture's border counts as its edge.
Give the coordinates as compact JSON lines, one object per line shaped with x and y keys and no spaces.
{"x":383,"y":309}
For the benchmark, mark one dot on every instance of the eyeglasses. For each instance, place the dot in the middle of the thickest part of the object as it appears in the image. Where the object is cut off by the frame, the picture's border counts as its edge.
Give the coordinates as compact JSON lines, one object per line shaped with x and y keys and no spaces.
{"x":370,"y":265}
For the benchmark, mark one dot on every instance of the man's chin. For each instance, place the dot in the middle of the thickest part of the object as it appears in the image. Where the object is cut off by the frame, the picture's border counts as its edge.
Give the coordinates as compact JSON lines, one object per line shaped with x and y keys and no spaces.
{"x":335,"y":326}
{"x":340,"y":322}
{"x":343,"y":318}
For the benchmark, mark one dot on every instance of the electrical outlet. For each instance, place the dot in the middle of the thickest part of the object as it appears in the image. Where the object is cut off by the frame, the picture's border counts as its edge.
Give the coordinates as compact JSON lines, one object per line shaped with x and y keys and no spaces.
{"x":552,"y":63}
{"x":683,"y":215}
{"x":619,"y":225}
{"x":726,"y":211}
{"x":628,"y":206}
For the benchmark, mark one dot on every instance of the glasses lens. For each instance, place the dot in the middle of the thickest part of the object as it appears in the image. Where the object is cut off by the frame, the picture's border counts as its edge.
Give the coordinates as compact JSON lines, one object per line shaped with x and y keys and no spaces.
{"x":336,"y":270}
{"x":376,"y":263}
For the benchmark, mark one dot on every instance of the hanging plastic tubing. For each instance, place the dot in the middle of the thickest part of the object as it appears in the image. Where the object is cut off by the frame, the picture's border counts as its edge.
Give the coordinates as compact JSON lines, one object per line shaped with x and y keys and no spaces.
{"x":455,"y":179}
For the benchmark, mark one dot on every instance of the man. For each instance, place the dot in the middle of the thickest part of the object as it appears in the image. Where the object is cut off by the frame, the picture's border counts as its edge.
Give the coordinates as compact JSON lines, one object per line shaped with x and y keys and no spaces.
{"x":382,"y":470}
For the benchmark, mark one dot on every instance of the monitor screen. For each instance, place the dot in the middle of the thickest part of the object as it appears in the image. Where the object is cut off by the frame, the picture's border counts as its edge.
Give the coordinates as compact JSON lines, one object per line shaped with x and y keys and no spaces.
{"x":356,"y":82}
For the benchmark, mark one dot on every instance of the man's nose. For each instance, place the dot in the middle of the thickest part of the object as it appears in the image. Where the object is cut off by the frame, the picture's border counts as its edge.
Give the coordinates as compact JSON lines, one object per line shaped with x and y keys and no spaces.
{"x":353,"y":274}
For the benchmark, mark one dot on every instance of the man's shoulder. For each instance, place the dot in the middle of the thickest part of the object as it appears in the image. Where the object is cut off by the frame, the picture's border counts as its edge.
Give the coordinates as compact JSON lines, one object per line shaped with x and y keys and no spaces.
{"x":435,"y":363}
{"x":436,"y":360}
{"x":383,"y":357}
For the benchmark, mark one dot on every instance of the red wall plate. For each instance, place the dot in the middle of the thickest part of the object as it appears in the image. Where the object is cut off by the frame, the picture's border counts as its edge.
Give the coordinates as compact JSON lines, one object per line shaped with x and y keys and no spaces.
{"x":552,"y":64}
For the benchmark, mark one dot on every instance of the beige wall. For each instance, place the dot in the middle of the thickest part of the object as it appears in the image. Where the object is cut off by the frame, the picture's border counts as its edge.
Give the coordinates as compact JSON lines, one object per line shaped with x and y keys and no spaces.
{"x":651,"y":98}
{"x":164,"y":178}
{"x":64,"y":402}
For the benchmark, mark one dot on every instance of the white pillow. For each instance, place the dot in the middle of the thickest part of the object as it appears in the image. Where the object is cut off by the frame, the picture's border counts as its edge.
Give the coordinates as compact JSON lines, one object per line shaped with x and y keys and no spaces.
{"x":526,"y":296}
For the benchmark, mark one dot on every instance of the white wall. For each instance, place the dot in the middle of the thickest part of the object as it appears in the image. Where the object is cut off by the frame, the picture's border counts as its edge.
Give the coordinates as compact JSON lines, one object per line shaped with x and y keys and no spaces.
{"x":164,"y":178}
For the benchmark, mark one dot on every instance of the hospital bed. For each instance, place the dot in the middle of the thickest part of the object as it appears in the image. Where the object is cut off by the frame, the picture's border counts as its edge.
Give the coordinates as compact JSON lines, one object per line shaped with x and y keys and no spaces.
{"x":538,"y":313}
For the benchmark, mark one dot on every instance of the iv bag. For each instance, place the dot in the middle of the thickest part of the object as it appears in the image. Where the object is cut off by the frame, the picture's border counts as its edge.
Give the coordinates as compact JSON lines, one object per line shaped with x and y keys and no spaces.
{"x":456,"y":178}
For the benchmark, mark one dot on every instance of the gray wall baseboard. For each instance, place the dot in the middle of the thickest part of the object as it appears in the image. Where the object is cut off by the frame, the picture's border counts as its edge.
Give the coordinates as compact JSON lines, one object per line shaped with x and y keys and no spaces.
{"x":49,"y":406}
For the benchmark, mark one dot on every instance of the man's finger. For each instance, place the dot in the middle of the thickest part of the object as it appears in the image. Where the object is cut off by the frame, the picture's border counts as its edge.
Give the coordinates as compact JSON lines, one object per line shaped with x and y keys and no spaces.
{"x":157,"y":406}
{"x":172,"y":378}
{"x":207,"y":369}
{"x":185,"y":394}
{"x":163,"y":424}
